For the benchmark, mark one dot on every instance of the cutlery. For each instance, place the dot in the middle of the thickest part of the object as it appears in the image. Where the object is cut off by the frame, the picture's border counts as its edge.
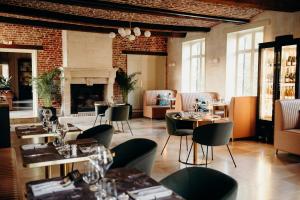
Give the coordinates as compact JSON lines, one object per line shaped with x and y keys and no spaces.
{"x":39,"y":154}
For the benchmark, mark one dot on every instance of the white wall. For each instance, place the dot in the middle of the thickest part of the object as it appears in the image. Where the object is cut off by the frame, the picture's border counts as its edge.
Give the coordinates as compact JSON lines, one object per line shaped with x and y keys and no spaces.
{"x":275,"y":23}
{"x":86,"y":50}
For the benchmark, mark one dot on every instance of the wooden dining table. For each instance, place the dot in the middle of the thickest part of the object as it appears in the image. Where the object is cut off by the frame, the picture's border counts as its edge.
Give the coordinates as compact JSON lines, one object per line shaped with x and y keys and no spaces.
{"x":37,"y":131}
{"x":126,"y":180}
{"x":198,"y":121}
{"x":47,"y":156}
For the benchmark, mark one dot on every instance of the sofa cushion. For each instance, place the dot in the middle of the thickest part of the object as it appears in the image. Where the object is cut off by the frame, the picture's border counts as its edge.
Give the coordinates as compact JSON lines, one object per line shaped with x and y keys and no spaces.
{"x":189,"y":99}
{"x":293,"y":131}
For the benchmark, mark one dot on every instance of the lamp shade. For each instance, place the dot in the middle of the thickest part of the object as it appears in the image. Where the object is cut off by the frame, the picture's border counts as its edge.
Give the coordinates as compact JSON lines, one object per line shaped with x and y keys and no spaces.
{"x":112,"y":35}
{"x":147,"y":33}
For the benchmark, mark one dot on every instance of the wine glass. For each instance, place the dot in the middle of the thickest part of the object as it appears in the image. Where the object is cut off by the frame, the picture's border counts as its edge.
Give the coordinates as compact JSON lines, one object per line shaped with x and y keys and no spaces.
{"x":61,"y":131}
{"x":47,"y":114}
{"x":102,"y":159}
{"x":90,"y":175}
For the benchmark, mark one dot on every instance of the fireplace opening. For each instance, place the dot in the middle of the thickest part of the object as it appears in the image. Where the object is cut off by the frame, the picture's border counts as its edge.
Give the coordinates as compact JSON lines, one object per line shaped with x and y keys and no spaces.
{"x":83,"y":97}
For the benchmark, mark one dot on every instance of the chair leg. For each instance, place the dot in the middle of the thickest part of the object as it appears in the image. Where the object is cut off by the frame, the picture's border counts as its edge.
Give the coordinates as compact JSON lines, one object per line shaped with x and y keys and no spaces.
{"x":212,"y":153}
{"x":206,"y":156}
{"x":95,"y":120}
{"x":187,"y":145}
{"x":122,"y":126}
{"x":276,"y":152}
{"x":100,"y":120}
{"x":180,"y":149}
{"x":129,"y":127}
{"x":202,"y":151}
{"x":165,"y":145}
{"x":118,"y":126}
{"x":189,"y":152}
{"x":230,"y":155}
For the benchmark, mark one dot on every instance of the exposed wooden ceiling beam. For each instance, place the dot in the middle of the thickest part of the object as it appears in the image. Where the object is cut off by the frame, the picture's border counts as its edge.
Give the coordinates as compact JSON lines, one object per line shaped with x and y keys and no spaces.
{"x":276,"y":5}
{"x":103,"y":4}
{"x":74,"y":27}
{"x":44,"y":14}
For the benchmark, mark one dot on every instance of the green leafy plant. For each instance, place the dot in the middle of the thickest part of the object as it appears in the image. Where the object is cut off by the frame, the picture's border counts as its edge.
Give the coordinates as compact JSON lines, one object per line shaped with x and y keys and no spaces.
{"x":5,"y":82}
{"x":126,"y":82}
{"x":48,"y":86}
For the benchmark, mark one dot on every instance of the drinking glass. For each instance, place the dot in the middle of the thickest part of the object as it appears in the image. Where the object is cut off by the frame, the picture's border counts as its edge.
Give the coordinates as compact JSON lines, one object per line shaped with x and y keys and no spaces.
{"x":90,"y":175}
{"x":107,"y":189}
{"x":102,"y":159}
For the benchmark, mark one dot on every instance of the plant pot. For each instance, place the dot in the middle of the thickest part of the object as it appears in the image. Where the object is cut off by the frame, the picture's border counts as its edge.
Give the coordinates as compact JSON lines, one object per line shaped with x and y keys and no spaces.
{"x":53,"y":110}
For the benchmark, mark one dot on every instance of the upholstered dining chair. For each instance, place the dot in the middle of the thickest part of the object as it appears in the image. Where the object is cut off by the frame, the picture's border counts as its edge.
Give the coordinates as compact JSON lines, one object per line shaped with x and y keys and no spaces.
{"x":177,"y":128}
{"x":100,"y":112}
{"x":102,"y":133}
{"x":215,"y":134}
{"x":195,"y":183}
{"x":136,"y":153}
{"x":117,"y":114}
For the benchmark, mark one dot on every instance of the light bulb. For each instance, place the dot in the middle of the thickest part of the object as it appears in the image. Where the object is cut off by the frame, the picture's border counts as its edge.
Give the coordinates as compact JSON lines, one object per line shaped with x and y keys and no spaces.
{"x":111,"y":35}
{"x":137,"y":33}
{"x":121,"y":31}
{"x":147,"y":33}
{"x":136,"y":29}
{"x":123,"y":34}
{"x":131,"y":37}
{"x":127,"y":31}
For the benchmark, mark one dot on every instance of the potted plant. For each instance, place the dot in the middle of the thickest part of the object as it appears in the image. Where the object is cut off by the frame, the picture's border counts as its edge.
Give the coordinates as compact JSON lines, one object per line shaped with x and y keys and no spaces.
{"x":127,"y":83}
{"x":48,"y":89}
{"x":5,"y":90}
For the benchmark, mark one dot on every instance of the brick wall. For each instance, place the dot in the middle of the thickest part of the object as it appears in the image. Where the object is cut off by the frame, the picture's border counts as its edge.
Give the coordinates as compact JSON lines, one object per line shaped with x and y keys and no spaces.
{"x":51,"y":40}
{"x":151,"y":44}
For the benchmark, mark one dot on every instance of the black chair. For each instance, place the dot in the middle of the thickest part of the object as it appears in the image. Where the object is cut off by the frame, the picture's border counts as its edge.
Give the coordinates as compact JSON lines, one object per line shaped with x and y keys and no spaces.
{"x":135,"y":153}
{"x":118,"y":114}
{"x":102,"y":133}
{"x":177,"y":128}
{"x":100,"y":112}
{"x":215,"y":134}
{"x":196,"y":183}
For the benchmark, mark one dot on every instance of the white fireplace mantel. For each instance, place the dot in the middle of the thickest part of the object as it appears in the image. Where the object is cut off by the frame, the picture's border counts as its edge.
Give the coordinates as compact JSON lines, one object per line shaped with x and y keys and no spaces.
{"x":88,"y":76}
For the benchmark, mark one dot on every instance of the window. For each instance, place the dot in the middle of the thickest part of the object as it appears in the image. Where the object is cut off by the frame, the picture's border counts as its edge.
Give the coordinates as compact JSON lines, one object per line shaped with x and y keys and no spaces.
{"x":242,"y":62}
{"x":193,"y":66}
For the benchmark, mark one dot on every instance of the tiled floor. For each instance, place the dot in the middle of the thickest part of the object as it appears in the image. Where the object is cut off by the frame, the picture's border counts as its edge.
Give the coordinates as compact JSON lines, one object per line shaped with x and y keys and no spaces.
{"x":261,"y":174}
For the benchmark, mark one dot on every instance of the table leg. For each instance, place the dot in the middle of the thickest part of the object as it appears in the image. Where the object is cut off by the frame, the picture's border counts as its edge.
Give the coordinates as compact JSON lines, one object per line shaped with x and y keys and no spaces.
{"x":48,"y":172}
{"x":195,"y":153}
{"x":63,"y":169}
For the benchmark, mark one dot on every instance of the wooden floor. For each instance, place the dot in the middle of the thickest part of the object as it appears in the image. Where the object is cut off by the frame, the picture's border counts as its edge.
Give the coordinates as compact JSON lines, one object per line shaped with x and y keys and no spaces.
{"x":261,"y":174}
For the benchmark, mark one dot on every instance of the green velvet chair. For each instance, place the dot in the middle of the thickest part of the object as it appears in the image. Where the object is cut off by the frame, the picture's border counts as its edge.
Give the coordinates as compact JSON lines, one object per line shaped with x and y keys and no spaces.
{"x":177,"y":128}
{"x":117,"y":114}
{"x":136,"y":153}
{"x":215,"y":134}
{"x":195,"y":183}
{"x":102,"y":133}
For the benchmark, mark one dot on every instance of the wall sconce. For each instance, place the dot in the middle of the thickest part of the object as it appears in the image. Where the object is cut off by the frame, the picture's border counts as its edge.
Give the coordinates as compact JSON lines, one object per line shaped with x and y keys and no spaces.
{"x":215,"y":60}
{"x":172,"y":64}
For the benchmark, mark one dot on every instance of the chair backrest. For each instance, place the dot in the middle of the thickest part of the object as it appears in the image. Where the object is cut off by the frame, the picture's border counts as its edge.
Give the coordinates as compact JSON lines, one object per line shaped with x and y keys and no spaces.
{"x":100,"y":109}
{"x":195,"y":183}
{"x":136,"y":153}
{"x":214,"y":134}
{"x":118,"y":113}
{"x":289,"y":113}
{"x":102,"y":133}
{"x":186,"y":100}
{"x":173,"y":124}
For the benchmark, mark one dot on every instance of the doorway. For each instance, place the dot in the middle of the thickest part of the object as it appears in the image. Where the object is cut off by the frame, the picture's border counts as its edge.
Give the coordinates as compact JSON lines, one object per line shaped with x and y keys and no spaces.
{"x":19,"y":67}
{"x":152,"y":77}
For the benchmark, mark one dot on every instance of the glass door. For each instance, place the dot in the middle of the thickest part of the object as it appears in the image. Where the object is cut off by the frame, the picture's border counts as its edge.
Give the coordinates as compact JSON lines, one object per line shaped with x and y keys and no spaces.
{"x":266,"y":84}
{"x":288,"y":72}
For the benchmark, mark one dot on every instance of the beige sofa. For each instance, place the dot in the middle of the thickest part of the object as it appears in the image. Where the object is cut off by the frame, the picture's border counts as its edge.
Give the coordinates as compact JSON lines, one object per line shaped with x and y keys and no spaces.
{"x":242,"y":112}
{"x":185,"y":101}
{"x":150,"y":109}
{"x":286,"y":136}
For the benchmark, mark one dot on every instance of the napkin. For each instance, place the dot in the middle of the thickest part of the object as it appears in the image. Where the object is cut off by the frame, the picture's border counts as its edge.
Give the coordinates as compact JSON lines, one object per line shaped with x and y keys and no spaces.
{"x":50,"y":187}
{"x":150,"y":193}
{"x":34,"y":146}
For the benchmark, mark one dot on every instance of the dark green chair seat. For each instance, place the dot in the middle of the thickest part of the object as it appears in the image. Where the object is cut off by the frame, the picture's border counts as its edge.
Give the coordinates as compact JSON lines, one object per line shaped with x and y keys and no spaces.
{"x":196,"y":183}
{"x":102,"y":133}
{"x":135,"y":153}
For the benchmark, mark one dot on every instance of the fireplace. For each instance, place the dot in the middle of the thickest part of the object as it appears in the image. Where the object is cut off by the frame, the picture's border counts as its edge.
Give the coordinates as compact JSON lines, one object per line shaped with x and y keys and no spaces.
{"x":84,"y":96}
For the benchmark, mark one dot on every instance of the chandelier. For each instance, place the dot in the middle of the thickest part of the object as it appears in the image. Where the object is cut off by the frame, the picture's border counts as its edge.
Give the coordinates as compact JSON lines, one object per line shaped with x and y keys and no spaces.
{"x":130,"y":34}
